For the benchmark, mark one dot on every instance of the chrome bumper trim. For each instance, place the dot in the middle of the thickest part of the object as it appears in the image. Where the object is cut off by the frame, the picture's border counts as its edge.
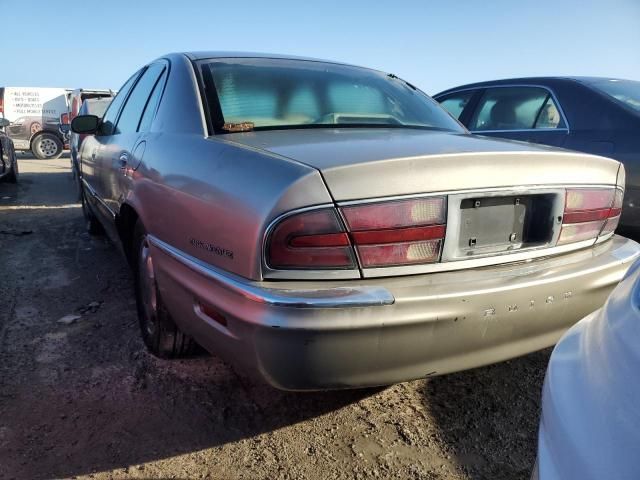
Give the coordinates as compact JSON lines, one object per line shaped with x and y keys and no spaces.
{"x":337,"y":297}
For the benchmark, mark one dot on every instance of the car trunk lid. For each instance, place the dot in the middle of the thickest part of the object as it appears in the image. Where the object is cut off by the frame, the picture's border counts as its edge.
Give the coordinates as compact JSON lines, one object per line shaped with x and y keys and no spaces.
{"x":503,"y":201}
{"x":376,"y":162}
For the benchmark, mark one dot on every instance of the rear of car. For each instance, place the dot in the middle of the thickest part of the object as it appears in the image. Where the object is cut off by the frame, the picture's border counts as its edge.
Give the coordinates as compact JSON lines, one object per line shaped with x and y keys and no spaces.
{"x":329,"y":226}
{"x":590,"y":427}
{"x":434,"y":253}
{"x":380,"y":290}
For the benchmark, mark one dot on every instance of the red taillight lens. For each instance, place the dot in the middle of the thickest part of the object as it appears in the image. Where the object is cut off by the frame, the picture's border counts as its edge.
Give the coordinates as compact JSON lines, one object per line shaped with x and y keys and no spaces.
{"x":405,"y":232}
{"x":310,"y":240}
{"x":397,"y":214}
{"x":590,"y":212}
{"x":614,"y":215}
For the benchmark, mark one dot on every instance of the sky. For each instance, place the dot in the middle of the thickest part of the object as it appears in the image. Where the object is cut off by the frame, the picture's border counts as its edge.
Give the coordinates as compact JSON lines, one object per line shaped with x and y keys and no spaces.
{"x":433,"y":44}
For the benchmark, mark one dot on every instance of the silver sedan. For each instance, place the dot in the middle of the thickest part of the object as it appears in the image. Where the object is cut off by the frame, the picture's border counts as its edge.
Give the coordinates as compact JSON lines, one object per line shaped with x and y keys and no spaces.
{"x":330,"y":226}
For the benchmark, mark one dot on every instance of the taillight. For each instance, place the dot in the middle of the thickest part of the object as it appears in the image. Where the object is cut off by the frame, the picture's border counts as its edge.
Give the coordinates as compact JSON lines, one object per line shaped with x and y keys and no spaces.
{"x":614,"y":215}
{"x":404,"y":232}
{"x":590,"y":212}
{"x":310,"y":240}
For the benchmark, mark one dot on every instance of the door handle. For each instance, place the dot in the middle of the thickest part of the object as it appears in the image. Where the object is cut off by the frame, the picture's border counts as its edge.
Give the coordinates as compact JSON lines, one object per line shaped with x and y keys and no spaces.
{"x":123,"y":160}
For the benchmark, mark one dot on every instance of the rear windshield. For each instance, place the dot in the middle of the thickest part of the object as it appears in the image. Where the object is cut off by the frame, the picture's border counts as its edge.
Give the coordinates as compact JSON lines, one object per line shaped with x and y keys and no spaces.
{"x":625,"y":91}
{"x":263,"y":93}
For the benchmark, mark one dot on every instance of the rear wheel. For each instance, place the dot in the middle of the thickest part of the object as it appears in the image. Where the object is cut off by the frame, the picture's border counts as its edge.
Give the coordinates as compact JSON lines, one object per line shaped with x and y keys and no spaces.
{"x":161,"y":335}
{"x":47,"y":146}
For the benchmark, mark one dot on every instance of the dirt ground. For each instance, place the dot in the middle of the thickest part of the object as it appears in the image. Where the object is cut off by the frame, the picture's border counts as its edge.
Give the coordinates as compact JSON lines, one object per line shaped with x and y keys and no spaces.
{"x":82,"y":398}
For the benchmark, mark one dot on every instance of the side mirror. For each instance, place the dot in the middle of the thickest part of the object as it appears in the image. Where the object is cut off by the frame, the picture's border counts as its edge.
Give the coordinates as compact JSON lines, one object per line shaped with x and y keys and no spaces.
{"x":4,"y":122}
{"x":85,"y":124}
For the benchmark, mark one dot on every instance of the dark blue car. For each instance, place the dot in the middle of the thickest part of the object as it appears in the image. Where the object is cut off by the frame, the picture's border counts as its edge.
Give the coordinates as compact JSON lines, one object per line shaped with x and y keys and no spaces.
{"x":588,"y":114}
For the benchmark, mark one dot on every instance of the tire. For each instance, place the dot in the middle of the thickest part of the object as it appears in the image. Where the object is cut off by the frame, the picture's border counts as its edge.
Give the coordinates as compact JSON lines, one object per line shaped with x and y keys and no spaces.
{"x":46,"y":146}
{"x":13,"y":175}
{"x":92,"y":224}
{"x":161,"y":335}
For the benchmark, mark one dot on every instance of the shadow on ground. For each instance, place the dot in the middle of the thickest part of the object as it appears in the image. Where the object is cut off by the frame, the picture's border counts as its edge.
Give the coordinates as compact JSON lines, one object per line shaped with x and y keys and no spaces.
{"x":491,"y":413}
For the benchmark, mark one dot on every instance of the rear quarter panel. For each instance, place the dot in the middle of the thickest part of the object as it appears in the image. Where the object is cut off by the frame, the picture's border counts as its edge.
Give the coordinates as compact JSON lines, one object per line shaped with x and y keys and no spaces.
{"x":214,"y":200}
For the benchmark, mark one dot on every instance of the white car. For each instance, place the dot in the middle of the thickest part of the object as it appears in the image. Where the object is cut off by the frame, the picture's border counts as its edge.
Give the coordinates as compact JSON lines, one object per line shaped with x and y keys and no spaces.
{"x":590,"y":427}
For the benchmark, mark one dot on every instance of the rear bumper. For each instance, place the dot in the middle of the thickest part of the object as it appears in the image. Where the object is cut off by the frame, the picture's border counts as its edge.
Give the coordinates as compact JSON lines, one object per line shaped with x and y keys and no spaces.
{"x":354,"y":333}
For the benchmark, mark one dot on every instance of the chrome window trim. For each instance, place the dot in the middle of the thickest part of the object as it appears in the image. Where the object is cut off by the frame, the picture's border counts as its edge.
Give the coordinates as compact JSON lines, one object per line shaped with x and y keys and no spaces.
{"x":516,"y":85}
{"x":335,"y":297}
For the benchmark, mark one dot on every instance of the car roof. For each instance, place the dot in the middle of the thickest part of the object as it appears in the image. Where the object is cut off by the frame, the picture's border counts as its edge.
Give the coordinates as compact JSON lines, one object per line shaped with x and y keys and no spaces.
{"x":528,"y":80}
{"x":204,"y":55}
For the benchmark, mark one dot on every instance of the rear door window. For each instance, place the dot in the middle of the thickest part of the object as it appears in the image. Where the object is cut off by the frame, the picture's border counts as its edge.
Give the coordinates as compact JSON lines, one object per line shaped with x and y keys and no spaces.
{"x":152,"y":104}
{"x":516,"y":108}
{"x":456,"y":102}
{"x":133,"y":109}
{"x":109,"y":119}
{"x":549,"y":116}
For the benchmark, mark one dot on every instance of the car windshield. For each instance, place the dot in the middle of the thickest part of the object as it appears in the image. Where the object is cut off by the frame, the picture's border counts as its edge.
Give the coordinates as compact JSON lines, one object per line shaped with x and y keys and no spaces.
{"x":264,"y":93}
{"x":625,"y":91}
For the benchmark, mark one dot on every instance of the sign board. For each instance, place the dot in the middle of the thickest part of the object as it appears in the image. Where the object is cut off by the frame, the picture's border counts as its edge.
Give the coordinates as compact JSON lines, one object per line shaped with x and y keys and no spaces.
{"x":47,"y":103}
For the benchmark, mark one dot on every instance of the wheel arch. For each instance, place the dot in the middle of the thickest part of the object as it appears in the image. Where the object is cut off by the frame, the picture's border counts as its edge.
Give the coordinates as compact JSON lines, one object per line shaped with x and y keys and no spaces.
{"x":42,"y":132}
{"x":126,"y":220}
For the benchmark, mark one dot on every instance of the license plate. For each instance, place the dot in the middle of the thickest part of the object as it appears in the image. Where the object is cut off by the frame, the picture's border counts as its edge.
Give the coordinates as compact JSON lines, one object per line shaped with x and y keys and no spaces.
{"x":493,"y":223}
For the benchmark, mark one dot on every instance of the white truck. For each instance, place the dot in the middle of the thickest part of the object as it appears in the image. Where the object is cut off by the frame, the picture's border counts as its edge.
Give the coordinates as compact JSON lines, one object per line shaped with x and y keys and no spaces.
{"x":39,"y":116}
